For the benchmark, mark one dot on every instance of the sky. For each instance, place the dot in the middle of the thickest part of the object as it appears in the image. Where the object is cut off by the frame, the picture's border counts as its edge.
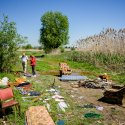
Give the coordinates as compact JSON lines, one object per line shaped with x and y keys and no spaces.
{"x":86,"y":17}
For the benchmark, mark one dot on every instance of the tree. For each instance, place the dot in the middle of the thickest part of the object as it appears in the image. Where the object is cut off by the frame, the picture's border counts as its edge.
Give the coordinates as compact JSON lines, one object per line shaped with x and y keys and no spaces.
{"x":54,"y":31}
{"x":28,"y":46}
{"x":9,"y":43}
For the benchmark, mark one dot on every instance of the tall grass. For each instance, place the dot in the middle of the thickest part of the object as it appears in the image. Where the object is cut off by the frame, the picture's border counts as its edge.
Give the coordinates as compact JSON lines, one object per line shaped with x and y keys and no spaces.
{"x":107,"y":41}
{"x":114,"y":62}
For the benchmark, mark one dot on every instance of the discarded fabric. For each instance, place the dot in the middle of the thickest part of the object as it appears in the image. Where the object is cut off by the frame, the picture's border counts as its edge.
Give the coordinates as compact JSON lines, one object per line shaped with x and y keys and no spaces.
{"x":23,"y":84}
{"x":87,"y":106}
{"x":72,"y":78}
{"x":51,"y":90}
{"x":92,"y":115}
{"x":34,"y":93}
{"x":22,"y":91}
{"x":59,"y":100}
{"x":62,"y":106}
{"x":20,"y":80}
{"x":60,"y":122}
{"x":58,"y":97}
{"x":27,"y":75}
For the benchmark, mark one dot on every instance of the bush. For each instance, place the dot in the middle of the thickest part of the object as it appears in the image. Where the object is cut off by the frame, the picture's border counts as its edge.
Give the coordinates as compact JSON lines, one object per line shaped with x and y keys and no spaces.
{"x":62,"y":49}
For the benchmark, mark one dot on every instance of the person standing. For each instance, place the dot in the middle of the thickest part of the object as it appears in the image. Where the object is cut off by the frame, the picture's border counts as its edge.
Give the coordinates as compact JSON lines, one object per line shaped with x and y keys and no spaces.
{"x":33,"y":64}
{"x":24,"y":60}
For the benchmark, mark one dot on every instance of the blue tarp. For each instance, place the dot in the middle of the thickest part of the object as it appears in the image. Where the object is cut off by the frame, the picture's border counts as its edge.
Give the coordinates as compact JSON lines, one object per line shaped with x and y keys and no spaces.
{"x":72,"y":78}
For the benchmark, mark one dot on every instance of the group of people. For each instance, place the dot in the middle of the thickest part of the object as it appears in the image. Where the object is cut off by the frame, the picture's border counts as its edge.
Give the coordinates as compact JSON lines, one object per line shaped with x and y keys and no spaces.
{"x":32,"y":60}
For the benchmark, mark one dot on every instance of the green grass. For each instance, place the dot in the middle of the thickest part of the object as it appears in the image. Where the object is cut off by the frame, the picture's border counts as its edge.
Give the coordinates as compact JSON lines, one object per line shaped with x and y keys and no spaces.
{"x":119,"y":78}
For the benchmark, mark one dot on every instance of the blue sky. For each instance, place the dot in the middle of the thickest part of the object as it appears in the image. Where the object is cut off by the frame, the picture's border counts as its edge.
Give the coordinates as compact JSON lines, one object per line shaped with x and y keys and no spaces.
{"x":86,"y":17}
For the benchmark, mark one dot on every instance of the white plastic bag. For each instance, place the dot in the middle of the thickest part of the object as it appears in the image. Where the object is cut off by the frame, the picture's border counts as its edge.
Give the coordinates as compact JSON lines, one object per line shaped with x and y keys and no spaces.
{"x":4,"y":81}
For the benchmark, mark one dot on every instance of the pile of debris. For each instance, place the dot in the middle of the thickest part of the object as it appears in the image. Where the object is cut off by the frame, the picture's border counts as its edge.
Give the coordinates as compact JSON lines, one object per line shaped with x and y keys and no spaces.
{"x":115,"y":95}
{"x":95,"y":84}
{"x":98,"y":83}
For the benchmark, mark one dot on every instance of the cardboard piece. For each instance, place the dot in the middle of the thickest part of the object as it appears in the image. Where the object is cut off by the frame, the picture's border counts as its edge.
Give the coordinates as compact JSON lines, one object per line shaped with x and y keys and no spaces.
{"x":38,"y":115}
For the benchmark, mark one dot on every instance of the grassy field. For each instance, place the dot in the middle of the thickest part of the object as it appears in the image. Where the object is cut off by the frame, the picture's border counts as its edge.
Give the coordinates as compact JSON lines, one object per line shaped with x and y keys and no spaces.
{"x":47,"y":70}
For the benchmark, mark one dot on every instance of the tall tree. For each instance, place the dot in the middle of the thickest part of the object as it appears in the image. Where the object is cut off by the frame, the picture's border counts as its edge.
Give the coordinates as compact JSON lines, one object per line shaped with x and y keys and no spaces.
{"x":54,"y":31}
{"x":10,"y":40}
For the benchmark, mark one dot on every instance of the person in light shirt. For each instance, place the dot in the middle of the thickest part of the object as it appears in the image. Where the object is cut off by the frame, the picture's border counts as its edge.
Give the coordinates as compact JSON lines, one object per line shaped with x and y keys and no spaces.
{"x":24,"y":60}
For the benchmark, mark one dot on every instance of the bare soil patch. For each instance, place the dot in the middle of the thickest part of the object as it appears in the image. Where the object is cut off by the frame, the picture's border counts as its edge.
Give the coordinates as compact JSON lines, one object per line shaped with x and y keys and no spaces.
{"x":113,"y":114}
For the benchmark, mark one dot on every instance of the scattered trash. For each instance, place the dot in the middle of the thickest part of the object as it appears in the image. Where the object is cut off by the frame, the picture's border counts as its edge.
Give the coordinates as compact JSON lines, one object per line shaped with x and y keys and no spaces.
{"x":39,"y":97}
{"x":99,"y":108}
{"x":22,"y":91}
{"x":72,"y":78}
{"x":99,"y":122}
{"x":72,"y":96}
{"x":92,"y":115}
{"x":81,"y":97}
{"x":28,"y":75}
{"x":95,"y":83}
{"x":23,"y":84}
{"x":4,"y":81}
{"x":62,"y":106}
{"x":57,"y":93}
{"x":74,"y":85}
{"x":51,"y":90}
{"x":38,"y":115}
{"x":47,"y":106}
{"x":59,"y":100}
{"x":87,"y":106}
{"x":21,"y":80}
{"x":57,"y":97}
{"x":60,"y":122}
{"x":34,"y":93}
{"x":47,"y":99}
{"x":28,"y":98}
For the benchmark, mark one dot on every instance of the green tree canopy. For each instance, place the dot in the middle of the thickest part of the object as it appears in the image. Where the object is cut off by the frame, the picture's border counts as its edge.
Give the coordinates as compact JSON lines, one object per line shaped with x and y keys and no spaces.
{"x":9,"y":43}
{"x":27,"y":46}
{"x":54,"y":31}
